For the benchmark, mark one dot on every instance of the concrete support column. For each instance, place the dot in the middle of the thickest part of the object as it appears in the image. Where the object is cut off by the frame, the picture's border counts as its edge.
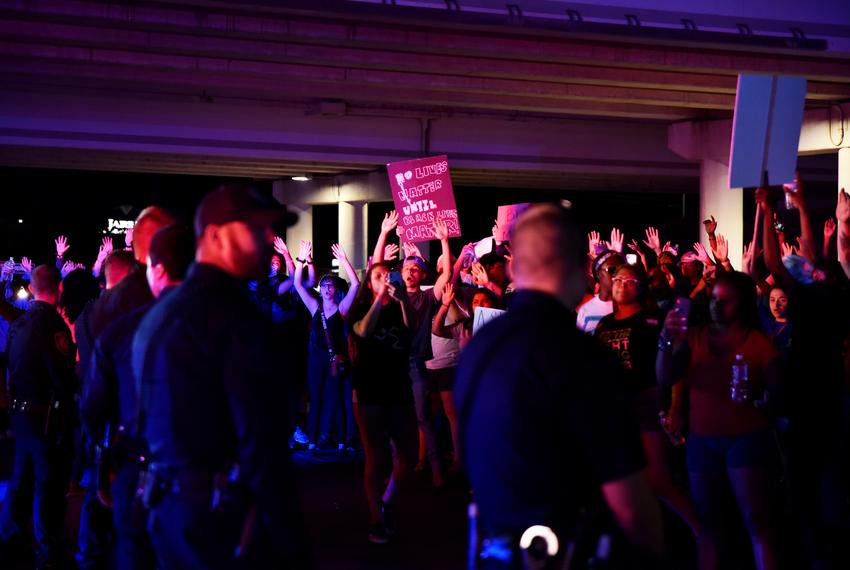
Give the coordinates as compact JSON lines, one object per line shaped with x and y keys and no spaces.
{"x":725,"y":204}
{"x":844,"y":168}
{"x":352,"y":231}
{"x":302,"y":230}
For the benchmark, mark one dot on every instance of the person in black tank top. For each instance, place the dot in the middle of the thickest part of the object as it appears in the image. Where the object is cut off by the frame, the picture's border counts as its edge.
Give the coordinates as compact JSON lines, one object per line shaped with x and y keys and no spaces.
{"x":329,"y":377}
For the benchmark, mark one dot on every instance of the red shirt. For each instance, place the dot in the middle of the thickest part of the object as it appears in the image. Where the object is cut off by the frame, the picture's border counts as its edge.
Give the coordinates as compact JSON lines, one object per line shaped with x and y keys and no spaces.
{"x":712,"y":411}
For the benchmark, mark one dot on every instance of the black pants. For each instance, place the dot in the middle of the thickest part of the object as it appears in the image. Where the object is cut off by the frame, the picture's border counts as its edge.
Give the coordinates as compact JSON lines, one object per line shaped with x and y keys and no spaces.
{"x":39,"y":482}
{"x":330,"y":402}
{"x":133,"y":549}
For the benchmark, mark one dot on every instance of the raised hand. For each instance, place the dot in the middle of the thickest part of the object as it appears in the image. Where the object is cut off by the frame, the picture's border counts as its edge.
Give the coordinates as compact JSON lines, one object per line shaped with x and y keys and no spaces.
{"x":8,"y":270}
{"x":448,"y":294}
{"x":652,"y":240}
{"x":26,"y":265}
{"x":280,"y":247}
{"x":702,"y":254}
{"x":751,"y":252}
{"x":671,"y":248}
{"x":479,"y":274}
{"x":721,"y":252}
{"x":68,"y":267}
{"x":390,"y":222}
{"x":763,"y":200}
{"x":634,"y":246}
{"x":128,"y":238}
{"x":842,"y":208}
{"x":105,"y":248}
{"x":390,"y":252}
{"x":592,"y":243}
{"x":787,"y":249}
{"x":829,"y":227}
{"x":710,"y":225}
{"x":305,"y":250}
{"x":616,"y":243}
{"x":61,"y":246}
{"x":441,"y":230}
{"x":411,"y":250}
{"x":338,"y":252}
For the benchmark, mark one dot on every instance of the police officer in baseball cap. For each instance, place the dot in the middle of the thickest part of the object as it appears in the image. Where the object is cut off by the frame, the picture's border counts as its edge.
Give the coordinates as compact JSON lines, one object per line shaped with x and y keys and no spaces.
{"x":221,"y":486}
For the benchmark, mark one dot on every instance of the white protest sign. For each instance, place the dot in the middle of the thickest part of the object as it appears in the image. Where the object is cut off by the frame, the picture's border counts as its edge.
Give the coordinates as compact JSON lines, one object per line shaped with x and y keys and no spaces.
{"x":484,"y":315}
{"x":483,"y":247}
{"x":766,"y":130}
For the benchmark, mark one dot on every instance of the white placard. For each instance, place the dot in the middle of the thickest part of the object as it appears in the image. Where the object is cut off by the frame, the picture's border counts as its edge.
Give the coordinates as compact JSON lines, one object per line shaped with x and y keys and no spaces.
{"x":484,"y":315}
{"x":766,"y":129}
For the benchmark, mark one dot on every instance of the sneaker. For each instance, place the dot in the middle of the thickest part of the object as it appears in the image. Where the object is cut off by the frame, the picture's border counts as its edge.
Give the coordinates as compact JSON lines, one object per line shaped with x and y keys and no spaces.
{"x":378,"y":534}
{"x":300,"y":437}
{"x":390,"y":519}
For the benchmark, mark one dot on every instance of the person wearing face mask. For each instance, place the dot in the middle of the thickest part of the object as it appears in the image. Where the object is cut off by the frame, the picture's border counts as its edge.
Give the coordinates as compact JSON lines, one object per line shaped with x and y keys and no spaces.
{"x":220,"y":486}
{"x":730,"y":442}
{"x":329,"y":377}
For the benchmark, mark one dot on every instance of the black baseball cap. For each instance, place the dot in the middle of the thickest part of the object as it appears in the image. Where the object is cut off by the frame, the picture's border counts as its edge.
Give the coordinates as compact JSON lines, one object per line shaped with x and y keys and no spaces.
{"x":239,"y":203}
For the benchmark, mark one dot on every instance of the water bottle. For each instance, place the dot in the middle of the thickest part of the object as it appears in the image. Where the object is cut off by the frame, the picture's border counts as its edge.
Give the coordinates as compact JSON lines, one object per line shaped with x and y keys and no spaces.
{"x":739,"y":388}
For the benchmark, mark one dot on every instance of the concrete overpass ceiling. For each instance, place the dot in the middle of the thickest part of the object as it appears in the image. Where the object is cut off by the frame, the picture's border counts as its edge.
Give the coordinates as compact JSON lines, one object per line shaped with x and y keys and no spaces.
{"x":332,"y":62}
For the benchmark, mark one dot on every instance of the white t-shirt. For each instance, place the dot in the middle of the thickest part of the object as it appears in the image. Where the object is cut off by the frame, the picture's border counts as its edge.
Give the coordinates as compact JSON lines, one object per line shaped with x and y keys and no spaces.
{"x":592,"y":312}
{"x":446,"y":351}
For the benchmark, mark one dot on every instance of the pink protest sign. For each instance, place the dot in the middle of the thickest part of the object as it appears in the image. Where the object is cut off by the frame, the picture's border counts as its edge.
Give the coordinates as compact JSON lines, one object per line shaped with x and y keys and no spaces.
{"x":422,"y":192}
{"x":506,"y":218}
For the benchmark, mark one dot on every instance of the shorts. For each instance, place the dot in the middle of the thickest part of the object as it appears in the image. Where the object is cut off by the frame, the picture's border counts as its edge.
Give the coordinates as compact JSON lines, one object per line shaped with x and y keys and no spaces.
{"x":717,"y":453}
{"x":443,"y":378}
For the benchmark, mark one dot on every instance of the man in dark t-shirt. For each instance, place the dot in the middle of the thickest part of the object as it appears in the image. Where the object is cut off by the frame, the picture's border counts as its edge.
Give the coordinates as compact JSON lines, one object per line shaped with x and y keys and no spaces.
{"x":545,"y":422}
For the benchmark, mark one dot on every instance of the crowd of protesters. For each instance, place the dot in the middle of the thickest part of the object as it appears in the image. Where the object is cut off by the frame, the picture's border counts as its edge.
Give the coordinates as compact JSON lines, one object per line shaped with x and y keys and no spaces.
{"x":738,"y":377}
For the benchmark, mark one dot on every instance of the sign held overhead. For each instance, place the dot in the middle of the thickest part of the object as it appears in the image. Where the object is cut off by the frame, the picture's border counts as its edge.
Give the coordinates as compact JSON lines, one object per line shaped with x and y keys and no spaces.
{"x":422,"y":192}
{"x":766,"y":130}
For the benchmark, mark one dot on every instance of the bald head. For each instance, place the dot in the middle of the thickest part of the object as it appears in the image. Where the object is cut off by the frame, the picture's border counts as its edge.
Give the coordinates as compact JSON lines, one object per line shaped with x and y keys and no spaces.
{"x":548,"y":253}
{"x":151,"y":220}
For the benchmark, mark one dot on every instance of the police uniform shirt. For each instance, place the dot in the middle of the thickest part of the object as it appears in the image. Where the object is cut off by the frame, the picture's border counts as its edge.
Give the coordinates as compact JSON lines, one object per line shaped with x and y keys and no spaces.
{"x":544,"y":417}
{"x":207,"y":363}
{"x":41,"y":357}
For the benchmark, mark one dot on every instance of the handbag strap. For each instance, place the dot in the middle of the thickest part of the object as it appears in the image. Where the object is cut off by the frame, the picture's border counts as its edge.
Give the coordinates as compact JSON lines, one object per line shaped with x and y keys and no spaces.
{"x":327,"y":333}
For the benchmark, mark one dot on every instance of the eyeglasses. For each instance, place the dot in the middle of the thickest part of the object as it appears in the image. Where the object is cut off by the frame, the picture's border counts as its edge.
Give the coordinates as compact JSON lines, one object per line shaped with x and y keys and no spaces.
{"x":326,"y":284}
{"x":626,"y":281}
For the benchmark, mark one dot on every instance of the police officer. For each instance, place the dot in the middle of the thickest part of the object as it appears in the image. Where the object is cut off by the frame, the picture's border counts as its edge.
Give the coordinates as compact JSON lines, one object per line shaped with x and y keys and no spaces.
{"x":124,"y":293}
{"x":221,"y":485}
{"x":42,"y":383}
{"x":109,"y":405}
{"x":544,"y":422}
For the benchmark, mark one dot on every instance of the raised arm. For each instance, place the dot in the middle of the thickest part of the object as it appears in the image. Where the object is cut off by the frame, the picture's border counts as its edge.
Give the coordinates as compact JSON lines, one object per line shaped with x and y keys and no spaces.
{"x":829,"y":229}
{"x":61,"y":247}
{"x":721,"y":253}
{"x":387,"y":225}
{"x":438,"y":325}
{"x":711,"y":230}
{"x":441,"y":232}
{"x":807,"y":236}
{"x":842,"y":215}
{"x":351,"y":274}
{"x":102,"y":253}
{"x":286,"y":284}
{"x":770,"y":243}
{"x":307,"y":297}
{"x":366,"y":326}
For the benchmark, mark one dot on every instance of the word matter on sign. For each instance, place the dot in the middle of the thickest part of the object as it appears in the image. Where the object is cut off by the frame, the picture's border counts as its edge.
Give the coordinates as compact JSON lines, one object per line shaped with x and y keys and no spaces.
{"x":422,"y":192}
